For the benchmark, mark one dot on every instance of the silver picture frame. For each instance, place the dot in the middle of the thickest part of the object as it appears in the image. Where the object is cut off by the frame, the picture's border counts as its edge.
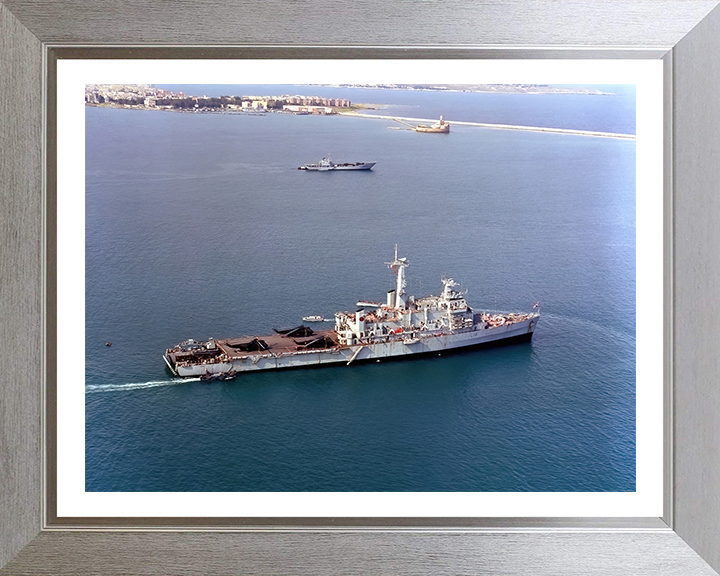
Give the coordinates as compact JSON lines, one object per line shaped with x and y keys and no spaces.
{"x":685,"y":34}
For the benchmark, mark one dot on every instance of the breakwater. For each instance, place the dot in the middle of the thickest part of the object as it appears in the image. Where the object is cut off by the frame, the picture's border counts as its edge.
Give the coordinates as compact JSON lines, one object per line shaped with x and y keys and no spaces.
{"x":403,"y":119}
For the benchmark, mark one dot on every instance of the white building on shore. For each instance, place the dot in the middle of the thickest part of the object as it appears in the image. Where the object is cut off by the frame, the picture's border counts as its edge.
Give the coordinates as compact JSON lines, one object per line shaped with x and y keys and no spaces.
{"x":308,"y":109}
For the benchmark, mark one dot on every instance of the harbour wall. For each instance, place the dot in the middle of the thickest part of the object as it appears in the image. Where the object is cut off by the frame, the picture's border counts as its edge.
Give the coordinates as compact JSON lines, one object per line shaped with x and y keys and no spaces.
{"x":403,"y":120}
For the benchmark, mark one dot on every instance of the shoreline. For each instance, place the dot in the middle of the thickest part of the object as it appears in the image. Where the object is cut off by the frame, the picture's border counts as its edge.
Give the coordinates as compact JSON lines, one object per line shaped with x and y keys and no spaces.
{"x":521,"y":128}
{"x":425,"y":88}
{"x":500,"y":126}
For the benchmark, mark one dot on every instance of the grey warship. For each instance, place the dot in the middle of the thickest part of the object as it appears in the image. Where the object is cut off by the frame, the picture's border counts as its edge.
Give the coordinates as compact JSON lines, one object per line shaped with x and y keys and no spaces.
{"x":402,"y":326}
{"x":327,"y":165}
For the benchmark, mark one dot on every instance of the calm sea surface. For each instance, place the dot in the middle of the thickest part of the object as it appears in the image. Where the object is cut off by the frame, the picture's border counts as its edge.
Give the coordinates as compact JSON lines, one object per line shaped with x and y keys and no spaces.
{"x":200,"y":225}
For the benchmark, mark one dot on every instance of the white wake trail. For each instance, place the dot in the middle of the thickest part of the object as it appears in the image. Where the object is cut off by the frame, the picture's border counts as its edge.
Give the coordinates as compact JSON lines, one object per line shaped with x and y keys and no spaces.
{"x":93,"y":388}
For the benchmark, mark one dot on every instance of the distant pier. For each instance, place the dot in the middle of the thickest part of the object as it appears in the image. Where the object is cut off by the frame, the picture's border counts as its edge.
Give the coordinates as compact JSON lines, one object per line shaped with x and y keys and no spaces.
{"x":403,"y":119}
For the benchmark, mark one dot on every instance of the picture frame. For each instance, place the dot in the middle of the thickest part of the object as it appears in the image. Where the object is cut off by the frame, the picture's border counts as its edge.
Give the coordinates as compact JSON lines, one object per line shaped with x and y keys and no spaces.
{"x":684,"y":541}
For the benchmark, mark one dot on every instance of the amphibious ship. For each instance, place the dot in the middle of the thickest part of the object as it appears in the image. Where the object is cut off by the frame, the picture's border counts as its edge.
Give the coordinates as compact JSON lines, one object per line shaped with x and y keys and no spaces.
{"x":375,"y":331}
{"x":326,"y":164}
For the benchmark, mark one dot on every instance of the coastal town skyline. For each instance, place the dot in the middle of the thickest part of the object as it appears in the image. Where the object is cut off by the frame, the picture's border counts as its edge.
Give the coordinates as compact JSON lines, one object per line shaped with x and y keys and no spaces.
{"x":149,"y":96}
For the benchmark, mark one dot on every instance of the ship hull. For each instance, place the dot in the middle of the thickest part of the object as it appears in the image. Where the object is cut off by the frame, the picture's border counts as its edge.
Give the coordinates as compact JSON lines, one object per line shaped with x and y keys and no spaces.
{"x":431,"y":130}
{"x":427,"y":345}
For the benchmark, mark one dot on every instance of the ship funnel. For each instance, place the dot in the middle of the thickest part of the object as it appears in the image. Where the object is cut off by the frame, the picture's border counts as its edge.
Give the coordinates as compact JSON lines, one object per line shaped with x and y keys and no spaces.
{"x":360,"y":323}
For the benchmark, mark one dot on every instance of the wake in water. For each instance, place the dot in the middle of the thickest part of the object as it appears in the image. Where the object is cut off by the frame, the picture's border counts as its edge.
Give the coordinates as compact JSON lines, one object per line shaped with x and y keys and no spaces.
{"x":92,"y":388}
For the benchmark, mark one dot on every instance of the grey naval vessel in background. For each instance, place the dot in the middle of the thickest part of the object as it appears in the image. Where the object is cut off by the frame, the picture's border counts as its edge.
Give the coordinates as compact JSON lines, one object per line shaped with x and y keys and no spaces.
{"x":402,"y":326}
{"x":326,"y":164}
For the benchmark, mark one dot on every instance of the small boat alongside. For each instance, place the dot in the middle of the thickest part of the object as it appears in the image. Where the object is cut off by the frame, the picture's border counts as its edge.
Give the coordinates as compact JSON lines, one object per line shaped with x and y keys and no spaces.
{"x":218,"y":376}
{"x":314,"y":319}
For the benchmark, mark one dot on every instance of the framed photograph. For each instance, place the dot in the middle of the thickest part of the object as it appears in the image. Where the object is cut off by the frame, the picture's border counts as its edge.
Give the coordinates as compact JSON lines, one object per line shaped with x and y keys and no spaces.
{"x":586,"y":144}
{"x":211,"y":212}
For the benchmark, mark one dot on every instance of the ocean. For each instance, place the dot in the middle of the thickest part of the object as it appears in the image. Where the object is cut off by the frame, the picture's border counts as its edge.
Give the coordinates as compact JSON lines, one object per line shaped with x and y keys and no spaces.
{"x":200,"y":225}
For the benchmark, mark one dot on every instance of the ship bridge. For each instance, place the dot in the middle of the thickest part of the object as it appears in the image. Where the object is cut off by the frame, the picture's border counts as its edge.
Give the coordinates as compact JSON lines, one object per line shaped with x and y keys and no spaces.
{"x":403,"y":315}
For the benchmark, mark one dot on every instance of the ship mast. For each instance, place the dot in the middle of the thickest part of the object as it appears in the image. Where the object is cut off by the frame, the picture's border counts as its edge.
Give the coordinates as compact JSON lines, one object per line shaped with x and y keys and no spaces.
{"x":398,"y":266}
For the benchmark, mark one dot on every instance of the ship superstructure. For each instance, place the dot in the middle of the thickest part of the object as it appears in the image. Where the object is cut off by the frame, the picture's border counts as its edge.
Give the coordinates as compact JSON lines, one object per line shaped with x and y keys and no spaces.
{"x":401,"y":326}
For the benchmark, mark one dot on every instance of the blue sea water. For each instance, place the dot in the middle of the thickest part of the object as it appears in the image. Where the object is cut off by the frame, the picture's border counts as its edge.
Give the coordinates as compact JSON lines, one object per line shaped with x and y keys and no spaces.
{"x":199,"y":225}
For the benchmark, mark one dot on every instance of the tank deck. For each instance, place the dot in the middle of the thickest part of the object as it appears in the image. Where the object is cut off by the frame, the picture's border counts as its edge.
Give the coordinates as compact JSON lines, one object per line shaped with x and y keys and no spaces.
{"x":275,"y":342}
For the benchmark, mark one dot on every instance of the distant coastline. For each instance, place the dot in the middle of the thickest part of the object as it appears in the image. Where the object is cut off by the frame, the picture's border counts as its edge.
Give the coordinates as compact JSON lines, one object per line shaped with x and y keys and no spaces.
{"x":484,"y":88}
{"x":148,"y":97}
